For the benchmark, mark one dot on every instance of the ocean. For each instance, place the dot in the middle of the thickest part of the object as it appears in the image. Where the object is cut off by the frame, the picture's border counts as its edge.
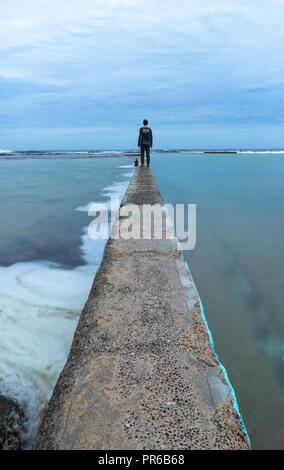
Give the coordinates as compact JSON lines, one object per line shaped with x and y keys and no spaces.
{"x":48,"y":262}
{"x":238,"y":269}
{"x":47,"y":265}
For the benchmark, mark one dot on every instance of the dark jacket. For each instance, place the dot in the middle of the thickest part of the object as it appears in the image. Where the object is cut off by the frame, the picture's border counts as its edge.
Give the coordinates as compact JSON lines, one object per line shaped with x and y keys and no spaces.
{"x":145,"y":136}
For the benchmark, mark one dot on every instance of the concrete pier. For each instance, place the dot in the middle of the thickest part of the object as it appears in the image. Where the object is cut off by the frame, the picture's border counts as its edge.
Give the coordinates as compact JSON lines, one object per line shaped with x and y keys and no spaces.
{"x":141,"y":373}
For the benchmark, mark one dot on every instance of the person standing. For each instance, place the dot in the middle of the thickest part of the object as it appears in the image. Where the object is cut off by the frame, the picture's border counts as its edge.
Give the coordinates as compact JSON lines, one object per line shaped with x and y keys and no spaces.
{"x":145,"y":142}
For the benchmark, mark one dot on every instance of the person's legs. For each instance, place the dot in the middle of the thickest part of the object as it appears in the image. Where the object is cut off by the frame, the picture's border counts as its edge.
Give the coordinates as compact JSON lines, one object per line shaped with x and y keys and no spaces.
{"x":142,"y":154}
{"x":148,"y":154}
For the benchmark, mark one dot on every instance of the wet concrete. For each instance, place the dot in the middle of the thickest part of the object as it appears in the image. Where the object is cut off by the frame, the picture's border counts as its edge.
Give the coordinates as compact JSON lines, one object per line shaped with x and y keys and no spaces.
{"x":141,"y":373}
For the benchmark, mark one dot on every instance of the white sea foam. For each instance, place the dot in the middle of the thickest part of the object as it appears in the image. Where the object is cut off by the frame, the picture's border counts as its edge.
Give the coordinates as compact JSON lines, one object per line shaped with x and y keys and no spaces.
{"x":37,"y":321}
{"x":125,"y":166}
{"x":5,"y":151}
{"x":116,"y":152}
{"x":88,"y":206}
{"x":116,"y":188}
{"x":106,"y":152}
{"x":262,"y":151}
{"x":103,"y":152}
{"x":128,"y":174}
{"x":40,"y":304}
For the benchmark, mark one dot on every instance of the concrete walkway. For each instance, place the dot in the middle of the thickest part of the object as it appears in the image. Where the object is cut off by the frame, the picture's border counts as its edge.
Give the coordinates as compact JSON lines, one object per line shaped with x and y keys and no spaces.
{"x":141,"y":373}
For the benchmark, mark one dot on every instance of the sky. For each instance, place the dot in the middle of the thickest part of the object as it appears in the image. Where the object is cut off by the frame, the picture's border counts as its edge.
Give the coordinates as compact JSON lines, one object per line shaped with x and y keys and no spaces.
{"x":83,"y":74}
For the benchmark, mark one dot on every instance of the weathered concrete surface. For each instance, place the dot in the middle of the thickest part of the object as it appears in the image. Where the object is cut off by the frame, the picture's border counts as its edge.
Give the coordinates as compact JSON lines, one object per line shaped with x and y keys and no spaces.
{"x":141,"y":373}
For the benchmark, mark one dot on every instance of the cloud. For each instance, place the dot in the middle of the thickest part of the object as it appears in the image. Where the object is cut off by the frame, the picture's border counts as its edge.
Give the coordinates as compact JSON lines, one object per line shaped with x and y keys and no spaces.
{"x":92,"y":62}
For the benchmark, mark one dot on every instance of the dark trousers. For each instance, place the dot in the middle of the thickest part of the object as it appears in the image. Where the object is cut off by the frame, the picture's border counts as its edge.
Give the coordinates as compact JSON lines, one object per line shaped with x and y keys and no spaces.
{"x":143,"y":149}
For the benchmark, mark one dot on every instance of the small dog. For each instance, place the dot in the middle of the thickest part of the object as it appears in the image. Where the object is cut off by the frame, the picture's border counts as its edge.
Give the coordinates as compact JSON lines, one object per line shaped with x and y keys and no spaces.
{"x":136,"y":162}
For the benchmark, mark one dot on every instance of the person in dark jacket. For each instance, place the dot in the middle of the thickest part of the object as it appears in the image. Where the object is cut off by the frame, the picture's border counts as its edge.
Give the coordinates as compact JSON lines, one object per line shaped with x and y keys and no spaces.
{"x":145,"y":142}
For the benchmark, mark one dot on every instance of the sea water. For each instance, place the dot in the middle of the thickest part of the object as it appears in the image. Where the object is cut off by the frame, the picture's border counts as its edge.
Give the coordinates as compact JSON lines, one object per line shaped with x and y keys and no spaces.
{"x":48,"y":262}
{"x":238,"y":266}
{"x":47,"y":266}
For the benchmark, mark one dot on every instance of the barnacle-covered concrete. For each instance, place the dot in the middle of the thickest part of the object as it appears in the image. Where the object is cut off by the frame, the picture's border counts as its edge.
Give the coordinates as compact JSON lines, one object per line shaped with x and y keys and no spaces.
{"x":141,"y":373}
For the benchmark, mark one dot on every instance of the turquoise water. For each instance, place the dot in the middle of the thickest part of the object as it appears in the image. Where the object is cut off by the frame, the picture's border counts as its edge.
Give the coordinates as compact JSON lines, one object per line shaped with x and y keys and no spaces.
{"x":47,"y":265}
{"x":238,"y":268}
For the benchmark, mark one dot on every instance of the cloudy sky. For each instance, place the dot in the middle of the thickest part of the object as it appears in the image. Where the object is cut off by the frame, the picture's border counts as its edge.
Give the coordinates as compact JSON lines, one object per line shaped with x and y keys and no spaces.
{"x":84,"y":73}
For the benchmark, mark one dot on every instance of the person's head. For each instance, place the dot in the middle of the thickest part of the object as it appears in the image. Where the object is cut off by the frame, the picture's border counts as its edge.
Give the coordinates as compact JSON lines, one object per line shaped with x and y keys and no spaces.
{"x":145,"y":122}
